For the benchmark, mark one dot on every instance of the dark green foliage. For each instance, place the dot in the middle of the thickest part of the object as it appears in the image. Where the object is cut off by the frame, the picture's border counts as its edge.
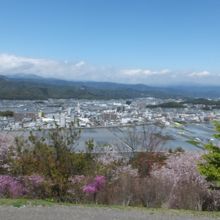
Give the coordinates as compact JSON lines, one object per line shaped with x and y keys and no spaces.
{"x":128,"y":102}
{"x":90,"y":145}
{"x":211,"y":166}
{"x":167,"y":105}
{"x":7,"y":114}
{"x":207,"y":103}
{"x":202,"y":101}
{"x":176,"y":150}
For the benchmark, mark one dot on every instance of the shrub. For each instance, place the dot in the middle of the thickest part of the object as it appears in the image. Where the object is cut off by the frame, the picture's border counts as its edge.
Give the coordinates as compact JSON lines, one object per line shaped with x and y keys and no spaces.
{"x":152,"y":192}
{"x":11,"y":187}
{"x":120,"y":185}
{"x":146,"y":161}
{"x":36,"y":186}
{"x":6,"y":142}
{"x":53,"y":158}
{"x":95,"y":186}
{"x":187,"y":188}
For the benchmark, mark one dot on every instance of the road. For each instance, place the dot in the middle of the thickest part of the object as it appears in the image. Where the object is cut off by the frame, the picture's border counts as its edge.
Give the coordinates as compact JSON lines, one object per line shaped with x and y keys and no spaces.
{"x":90,"y":213}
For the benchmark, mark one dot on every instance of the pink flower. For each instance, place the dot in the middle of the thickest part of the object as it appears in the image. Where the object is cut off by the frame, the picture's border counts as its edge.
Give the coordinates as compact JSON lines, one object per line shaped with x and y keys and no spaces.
{"x":77,"y":179}
{"x":99,"y":182}
{"x":90,"y":189}
{"x":95,"y":186}
{"x":11,"y":186}
{"x":6,"y":141}
{"x":36,"y":180}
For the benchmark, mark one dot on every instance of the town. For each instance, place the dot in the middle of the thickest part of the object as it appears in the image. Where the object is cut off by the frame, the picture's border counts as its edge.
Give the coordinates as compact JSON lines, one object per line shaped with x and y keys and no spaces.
{"x":32,"y":115}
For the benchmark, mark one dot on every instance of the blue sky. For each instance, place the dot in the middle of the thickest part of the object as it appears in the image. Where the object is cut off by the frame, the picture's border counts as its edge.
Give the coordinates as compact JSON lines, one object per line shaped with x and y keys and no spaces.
{"x":149,"y":41}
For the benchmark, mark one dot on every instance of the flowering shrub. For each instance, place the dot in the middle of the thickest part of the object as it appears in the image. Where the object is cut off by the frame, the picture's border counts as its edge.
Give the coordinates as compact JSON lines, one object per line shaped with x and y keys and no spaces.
{"x":121,"y":190}
{"x":120,"y":184}
{"x":125,"y":170}
{"x":90,"y":188}
{"x":95,"y":186}
{"x":187,"y":188}
{"x":107,"y":156}
{"x":77,"y":179}
{"x":36,"y":186}
{"x":145,"y":162}
{"x":6,"y":141}
{"x":36,"y":180}
{"x":181,"y":167}
{"x":11,"y":186}
{"x":175,"y":183}
{"x":76,"y":184}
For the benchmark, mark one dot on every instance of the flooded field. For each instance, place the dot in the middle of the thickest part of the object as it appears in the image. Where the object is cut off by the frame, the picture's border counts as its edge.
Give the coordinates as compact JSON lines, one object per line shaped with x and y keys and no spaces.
{"x":176,"y":137}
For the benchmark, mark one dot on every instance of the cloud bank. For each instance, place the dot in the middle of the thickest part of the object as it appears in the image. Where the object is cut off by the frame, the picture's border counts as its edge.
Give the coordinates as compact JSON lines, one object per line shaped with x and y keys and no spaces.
{"x":12,"y":64}
{"x":204,"y":73}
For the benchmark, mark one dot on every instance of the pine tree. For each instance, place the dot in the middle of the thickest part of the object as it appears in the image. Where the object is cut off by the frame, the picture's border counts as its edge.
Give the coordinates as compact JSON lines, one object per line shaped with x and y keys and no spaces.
{"x":210,"y":167}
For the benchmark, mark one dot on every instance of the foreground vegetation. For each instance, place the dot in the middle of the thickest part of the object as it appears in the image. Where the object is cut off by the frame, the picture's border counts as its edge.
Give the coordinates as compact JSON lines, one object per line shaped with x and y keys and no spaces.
{"x":48,"y":167}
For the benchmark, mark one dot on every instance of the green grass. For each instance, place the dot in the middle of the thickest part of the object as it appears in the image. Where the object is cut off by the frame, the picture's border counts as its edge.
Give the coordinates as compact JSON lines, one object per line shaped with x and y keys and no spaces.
{"x":25,"y":202}
{"x":48,"y":203}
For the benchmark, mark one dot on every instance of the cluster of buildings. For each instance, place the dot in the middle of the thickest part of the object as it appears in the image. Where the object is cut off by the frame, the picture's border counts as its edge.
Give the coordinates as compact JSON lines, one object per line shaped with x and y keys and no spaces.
{"x":47,"y":114}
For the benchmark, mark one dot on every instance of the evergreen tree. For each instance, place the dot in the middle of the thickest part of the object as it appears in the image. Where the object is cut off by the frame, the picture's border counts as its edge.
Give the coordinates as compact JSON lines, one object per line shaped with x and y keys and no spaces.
{"x":210,"y":167}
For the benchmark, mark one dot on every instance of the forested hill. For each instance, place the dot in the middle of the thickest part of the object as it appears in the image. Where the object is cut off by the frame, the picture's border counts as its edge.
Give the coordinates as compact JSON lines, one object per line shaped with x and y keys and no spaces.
{"x":34,"y":87}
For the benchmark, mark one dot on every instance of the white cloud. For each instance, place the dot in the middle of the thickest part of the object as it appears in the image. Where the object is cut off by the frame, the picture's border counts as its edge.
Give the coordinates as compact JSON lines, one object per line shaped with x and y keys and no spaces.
{"x":11,"y":64}
{"x":143,"y":72}
{"x":80,"y":64}
{"x":204,"y":73}
{"x":68,"y":70}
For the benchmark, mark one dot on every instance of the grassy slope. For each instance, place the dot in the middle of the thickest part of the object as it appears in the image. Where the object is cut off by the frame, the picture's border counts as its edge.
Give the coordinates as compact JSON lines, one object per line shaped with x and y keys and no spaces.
{"x":26,"y":202}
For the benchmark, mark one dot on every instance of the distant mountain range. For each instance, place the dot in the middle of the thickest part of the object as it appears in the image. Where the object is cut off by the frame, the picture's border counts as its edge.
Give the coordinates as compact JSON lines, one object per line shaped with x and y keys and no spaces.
{"x":22,"y":86}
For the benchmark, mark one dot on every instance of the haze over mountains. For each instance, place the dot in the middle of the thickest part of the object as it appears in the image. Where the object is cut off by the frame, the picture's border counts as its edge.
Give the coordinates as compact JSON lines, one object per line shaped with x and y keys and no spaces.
{"x":80,"y":70}
{"x":24,"y":86}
